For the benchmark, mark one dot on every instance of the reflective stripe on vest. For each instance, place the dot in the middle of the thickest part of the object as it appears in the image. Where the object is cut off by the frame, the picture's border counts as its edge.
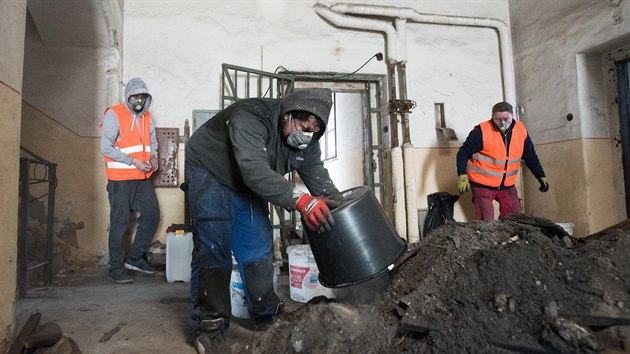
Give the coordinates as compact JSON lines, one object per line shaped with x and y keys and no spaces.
{"x":134,"y":141}
{"x":492,"y":164}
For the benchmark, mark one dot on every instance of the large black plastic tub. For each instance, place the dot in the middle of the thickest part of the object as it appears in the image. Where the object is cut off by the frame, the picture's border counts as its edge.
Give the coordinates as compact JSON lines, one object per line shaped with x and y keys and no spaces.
{"x":362,"y":245}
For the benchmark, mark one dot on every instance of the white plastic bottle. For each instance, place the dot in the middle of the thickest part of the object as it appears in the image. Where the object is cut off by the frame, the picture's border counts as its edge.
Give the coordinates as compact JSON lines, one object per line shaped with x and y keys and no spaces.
{"x":179,"y":247}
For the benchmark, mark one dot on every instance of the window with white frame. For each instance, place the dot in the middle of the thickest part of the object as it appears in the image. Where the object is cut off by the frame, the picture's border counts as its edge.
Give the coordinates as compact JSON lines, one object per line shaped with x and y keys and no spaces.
{"x":328,"y":141}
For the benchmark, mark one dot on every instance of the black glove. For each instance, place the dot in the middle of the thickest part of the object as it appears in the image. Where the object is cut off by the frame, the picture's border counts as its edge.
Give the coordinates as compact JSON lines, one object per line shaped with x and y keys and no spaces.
{"x":544,"y":185}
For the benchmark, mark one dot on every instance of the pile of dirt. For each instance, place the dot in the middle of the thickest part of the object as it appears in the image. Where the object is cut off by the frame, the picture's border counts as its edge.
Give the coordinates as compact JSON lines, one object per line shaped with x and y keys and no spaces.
{"x":520,"y":285}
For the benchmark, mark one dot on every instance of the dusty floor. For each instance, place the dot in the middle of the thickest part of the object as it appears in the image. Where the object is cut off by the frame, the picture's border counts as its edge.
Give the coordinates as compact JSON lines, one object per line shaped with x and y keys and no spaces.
{"x":151,"y":313}
{"x":522,"y":284}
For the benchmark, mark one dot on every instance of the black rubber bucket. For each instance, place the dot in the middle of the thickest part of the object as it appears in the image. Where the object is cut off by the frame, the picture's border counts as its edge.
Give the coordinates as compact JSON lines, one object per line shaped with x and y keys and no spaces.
{"x":362,"y":245}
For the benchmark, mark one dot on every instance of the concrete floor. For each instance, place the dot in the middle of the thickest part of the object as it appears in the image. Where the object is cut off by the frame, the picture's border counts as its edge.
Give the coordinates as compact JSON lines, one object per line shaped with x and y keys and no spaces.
{"x":152,"y":314}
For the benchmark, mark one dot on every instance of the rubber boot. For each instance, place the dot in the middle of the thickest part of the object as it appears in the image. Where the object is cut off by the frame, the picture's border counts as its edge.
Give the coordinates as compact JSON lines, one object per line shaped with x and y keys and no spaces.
{"x":264,"y":303}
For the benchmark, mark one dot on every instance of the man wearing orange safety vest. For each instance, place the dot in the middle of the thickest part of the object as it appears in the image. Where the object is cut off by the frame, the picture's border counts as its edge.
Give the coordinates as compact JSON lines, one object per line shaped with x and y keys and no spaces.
{"x":489,"y":160}
{"x":130,"y":147}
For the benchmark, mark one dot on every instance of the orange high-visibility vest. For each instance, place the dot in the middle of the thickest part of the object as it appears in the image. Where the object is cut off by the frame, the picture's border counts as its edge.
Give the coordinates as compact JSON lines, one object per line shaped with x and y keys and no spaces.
{"x":490,"y":165}
{"x":135,"y":143}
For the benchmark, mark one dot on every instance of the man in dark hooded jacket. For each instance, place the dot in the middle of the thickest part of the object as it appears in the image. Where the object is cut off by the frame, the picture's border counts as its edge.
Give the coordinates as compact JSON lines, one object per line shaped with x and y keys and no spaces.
{"x":235,"y":165}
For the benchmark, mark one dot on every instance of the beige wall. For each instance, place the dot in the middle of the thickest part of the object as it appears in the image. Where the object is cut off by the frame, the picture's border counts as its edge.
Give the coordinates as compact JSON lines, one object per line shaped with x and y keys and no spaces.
{"x":580,"y":185}
{"x":12,"y":20}
{"x":563,"y":67}
{"x":9,"y":181}
{"x":578,"y":171}
{"x":435,"y":171}
{"x":81,"y":192}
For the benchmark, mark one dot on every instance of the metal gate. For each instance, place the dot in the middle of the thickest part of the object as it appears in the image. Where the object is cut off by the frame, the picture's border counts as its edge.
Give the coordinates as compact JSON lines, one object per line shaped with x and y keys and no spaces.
{"x":238,"y":83}
{"x":241,"y":82}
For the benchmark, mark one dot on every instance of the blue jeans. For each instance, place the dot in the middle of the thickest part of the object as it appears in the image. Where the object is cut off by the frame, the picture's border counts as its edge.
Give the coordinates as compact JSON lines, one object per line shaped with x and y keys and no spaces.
{"x":224,"y":222}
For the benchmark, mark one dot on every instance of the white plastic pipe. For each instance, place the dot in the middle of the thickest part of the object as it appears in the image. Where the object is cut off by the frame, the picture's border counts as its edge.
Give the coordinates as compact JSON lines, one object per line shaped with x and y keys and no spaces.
{"x":342,"y":16}
{"x":398,"y":184}
{"x":354,"y":22}
{"x":503,"y":30}
{"x":411,"y":192}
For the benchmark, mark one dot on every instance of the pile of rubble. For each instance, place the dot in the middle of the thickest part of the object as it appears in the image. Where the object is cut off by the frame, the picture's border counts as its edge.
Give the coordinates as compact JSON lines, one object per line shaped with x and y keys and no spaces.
{"x":521,"y":285}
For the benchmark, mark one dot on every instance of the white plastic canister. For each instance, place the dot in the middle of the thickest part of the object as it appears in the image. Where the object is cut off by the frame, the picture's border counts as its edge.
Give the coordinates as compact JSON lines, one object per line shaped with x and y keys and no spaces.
{"x":179,"y":248}
{"x":303,"y":275}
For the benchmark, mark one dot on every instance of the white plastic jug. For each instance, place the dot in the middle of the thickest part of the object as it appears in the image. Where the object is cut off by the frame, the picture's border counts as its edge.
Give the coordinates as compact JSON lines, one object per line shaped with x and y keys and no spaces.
{"x":179,"y":248}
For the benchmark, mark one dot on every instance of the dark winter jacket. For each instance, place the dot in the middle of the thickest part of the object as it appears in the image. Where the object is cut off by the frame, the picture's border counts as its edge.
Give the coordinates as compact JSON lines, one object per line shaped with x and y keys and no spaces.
{"x":243,"y":147}
{"x":474,"y":144}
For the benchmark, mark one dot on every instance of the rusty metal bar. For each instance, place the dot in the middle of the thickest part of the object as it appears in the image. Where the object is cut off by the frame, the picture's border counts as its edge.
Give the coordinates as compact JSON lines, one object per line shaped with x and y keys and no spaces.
{"x":23,"y":234}
{"x":52,"y":184}
{"x":404,"y":113}
{"x":393,"y":115}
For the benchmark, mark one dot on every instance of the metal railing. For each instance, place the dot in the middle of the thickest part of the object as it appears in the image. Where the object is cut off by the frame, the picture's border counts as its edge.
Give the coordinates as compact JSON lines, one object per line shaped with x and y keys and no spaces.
{"x":28,"y":177}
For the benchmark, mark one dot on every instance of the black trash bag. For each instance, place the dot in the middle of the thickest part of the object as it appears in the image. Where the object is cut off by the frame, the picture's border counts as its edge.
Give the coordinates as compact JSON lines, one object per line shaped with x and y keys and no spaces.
{"x":440,"y":210}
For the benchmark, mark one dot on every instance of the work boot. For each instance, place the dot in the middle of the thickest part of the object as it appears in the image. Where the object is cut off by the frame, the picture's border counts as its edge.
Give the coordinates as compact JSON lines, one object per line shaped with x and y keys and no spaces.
{"x":120,"y":276}
{"x":140,"y":265}
{"x":210,"y":342}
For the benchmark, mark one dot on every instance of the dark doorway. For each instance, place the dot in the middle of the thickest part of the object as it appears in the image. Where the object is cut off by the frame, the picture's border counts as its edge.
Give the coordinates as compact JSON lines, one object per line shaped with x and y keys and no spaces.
{"x":623,"y":98}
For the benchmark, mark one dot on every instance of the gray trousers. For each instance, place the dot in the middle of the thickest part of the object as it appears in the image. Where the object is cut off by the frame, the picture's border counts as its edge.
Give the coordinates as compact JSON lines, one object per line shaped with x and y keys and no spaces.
{"x":124,"y":196}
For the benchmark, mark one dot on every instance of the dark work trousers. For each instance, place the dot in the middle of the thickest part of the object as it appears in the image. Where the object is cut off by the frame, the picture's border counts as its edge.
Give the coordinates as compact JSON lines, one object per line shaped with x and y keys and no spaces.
{"x":227,"y":222}
{"x":508,"y":200}
{"x":124,"y":196}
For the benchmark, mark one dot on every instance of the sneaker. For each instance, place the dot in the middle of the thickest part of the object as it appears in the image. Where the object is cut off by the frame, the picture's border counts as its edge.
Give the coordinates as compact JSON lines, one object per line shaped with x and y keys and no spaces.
{"x":140,"y":265}
{"x":120,"y":276}
{"x":210,"y":342}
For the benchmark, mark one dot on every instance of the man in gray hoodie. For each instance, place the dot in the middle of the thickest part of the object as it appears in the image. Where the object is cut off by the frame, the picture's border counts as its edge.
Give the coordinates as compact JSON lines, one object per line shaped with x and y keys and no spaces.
{"x":129,"y":147}
{"x":235,"y":165}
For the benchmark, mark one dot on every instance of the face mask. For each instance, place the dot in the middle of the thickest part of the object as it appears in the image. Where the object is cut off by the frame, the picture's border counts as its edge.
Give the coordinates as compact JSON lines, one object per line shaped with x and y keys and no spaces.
{"x":504,"y":126}
{"x":137,"y":103}
{"x":300,"y":140}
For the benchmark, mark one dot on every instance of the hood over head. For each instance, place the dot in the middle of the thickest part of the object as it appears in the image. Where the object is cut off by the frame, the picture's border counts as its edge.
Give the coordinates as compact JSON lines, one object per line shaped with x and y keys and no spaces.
{"x":317,"y":101}
{"x":136,"y":86}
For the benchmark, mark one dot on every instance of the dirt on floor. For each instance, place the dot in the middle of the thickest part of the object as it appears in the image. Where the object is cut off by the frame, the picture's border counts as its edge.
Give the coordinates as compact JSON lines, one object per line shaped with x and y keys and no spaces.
{"x":521,"y":285}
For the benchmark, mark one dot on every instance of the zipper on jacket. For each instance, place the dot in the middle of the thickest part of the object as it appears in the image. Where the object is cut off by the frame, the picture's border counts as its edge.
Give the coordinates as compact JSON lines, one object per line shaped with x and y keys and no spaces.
{"x":507,"y":157}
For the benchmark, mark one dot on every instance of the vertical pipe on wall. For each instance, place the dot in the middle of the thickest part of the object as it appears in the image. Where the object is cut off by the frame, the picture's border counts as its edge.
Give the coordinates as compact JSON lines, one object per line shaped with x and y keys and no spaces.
{"x":344,"y":15}
{"x":398,"y":184}
{"x":393,"y":115}
{"x":411,"y":191}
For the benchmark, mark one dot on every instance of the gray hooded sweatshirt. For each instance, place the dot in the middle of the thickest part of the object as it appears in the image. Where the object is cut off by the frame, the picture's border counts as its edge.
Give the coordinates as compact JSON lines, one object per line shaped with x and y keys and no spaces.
{"x":242,"y":146}
{"x":111,"y":129}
